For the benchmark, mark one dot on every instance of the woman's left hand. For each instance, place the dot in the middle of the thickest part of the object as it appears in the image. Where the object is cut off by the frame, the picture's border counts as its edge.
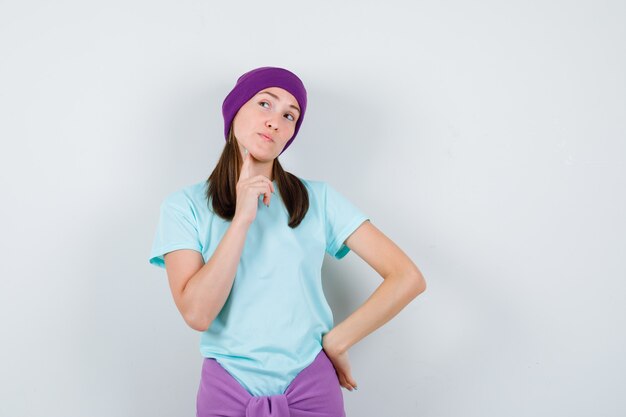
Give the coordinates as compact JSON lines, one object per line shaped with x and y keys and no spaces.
{"x":342,"y":365}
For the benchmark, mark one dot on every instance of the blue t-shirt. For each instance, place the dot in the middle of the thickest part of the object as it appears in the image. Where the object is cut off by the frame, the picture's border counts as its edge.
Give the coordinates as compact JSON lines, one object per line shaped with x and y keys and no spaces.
{"x":272,"y":323}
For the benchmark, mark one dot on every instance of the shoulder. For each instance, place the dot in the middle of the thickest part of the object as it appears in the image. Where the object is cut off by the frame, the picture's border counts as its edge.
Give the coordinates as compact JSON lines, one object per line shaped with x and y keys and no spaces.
{"x":316,"y":186}
{"x":322,"y":188}
{"x":323,"y":191}
{"x":316,"y":190}
{"x":189,"y":198}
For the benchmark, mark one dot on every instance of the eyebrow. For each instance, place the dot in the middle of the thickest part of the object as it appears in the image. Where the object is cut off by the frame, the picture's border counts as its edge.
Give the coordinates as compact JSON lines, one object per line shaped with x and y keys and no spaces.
{"x":276,"y":97}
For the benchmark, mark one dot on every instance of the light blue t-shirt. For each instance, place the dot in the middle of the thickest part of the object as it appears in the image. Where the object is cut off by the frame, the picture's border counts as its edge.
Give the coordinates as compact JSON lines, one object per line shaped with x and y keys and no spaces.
{"x":272,"y":323}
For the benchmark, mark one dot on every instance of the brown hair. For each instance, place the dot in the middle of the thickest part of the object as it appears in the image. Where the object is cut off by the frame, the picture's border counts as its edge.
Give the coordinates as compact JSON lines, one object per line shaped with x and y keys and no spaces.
{"x":222,"y":185}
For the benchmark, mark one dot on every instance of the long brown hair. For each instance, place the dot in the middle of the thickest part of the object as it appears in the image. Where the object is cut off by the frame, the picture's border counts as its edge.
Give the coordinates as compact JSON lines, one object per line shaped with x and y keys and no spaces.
{"x":222,"y":185}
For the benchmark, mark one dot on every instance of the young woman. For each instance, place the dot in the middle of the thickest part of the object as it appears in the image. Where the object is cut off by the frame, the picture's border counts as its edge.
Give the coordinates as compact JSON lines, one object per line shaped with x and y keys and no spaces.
{"x":243,"y":252}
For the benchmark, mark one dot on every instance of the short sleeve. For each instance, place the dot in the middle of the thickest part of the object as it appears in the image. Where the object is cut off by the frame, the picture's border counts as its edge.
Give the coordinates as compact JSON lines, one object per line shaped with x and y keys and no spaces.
{"x":177,"y":229}
{"x":342,"y":218}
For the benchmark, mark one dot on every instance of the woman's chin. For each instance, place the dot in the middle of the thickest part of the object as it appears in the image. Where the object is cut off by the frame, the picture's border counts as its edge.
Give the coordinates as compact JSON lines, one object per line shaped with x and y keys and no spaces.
{"x":263,"y":155}
{"x":265,"y":158}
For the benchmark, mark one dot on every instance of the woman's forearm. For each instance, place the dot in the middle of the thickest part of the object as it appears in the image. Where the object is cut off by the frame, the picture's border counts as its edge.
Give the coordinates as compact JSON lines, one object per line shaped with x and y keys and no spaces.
{"x":391,"y":296}
{"x":207,"y":291}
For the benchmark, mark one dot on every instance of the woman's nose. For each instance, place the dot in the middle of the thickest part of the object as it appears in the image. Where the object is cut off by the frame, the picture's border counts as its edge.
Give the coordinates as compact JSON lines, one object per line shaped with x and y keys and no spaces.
{"x":271,"y":123}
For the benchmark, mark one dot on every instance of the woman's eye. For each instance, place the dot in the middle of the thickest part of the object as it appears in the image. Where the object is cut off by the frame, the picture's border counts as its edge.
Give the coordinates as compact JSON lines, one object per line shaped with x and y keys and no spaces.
{"x":288,"y":114}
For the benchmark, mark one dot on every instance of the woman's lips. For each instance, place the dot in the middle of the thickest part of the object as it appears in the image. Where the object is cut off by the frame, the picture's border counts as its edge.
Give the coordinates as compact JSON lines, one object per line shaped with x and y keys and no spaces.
{"x":265,"y":138}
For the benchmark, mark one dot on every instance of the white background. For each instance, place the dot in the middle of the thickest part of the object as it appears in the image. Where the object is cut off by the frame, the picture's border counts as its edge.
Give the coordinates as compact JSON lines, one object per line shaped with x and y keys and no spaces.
{"x":486,"y":138}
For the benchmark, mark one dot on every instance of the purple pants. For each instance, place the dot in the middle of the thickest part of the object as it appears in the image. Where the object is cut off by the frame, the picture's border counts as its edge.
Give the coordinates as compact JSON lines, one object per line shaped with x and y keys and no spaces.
{"x":314,"y":392}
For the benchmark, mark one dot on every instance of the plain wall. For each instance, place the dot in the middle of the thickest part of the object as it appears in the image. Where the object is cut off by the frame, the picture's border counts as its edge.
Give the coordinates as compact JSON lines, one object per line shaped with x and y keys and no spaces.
{"x":487,"y":139}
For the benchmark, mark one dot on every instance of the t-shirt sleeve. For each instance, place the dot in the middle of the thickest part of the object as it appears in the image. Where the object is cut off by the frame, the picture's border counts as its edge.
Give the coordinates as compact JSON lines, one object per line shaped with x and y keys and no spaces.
{"x":342,"y":219}
{"x":177,"y":229}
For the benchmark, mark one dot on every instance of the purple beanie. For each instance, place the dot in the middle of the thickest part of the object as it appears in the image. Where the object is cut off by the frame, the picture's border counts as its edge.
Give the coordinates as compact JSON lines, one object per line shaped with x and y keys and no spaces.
{"x":254,"y":81}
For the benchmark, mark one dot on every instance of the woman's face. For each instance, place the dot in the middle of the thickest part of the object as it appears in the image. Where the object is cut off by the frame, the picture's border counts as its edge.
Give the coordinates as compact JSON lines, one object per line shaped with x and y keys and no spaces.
{"x":274,"y":112}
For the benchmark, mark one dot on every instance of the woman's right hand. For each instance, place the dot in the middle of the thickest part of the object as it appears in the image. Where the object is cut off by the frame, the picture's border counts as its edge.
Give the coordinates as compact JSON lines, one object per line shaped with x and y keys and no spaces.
{"x":249,"y":188}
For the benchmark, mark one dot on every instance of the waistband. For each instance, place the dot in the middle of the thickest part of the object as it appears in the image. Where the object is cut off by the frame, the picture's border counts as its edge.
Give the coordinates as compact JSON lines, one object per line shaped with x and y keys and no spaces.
{"x":314,"y":392}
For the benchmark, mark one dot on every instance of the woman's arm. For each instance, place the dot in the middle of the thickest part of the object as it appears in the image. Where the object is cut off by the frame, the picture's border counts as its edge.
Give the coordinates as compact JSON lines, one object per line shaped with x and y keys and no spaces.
{"x":200,"y":291}
{"x":403,"y":282}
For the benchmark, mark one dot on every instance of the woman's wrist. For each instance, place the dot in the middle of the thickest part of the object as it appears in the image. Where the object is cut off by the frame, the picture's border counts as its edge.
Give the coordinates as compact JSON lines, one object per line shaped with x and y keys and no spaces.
{"x":331,"y":344}
{"x":239,"y":222}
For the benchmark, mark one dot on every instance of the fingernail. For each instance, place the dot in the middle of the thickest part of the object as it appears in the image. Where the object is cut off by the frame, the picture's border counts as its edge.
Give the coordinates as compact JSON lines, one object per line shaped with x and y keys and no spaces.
{"x":356,"y":388}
